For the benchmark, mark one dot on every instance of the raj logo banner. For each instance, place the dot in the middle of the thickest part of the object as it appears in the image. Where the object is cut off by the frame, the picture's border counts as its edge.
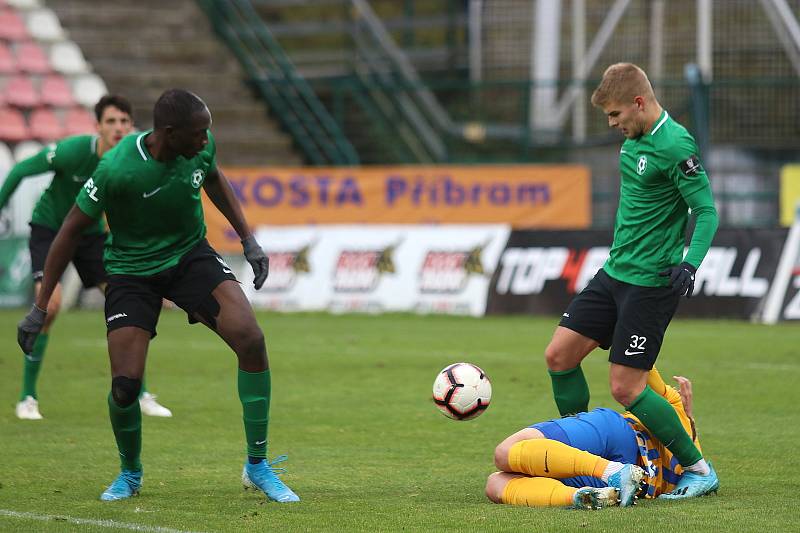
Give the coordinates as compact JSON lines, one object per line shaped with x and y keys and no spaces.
{"x":523,"y":196}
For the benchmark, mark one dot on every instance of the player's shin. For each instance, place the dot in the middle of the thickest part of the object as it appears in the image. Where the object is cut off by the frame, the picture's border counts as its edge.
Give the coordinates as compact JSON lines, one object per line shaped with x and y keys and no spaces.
{"x":33,"y":363}
{"x":127,"y":425}
{"x":537,"y":492}
{"x":660,"y":418}
{"x":570,"y":391}
{"x":254,"y":393}
{"x":554,"y":459}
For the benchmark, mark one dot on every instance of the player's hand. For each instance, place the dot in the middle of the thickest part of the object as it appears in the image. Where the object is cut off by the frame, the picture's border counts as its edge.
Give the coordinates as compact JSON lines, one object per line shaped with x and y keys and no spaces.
{"x":685,"y":389}
{"x":29,"y":327}
{"x":258,"y":260}
{"x":681,"y":278}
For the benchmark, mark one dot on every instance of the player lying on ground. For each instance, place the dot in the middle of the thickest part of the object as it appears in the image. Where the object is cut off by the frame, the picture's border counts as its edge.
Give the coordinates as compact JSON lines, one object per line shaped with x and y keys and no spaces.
{"x":72,"y":161}
{"x":592,"y":460}
{"x":149,"y":189}
{"x":630,"y":302}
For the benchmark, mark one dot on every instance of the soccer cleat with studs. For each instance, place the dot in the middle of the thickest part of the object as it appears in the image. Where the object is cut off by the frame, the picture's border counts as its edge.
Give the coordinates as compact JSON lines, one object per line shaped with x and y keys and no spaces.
{"x":628,"y":482}
{"x":28,"y":409}
{"x":127,"y":484}
{"x":692,"y":485}
{"x":593,"y":498}
{"x":264,"y":477}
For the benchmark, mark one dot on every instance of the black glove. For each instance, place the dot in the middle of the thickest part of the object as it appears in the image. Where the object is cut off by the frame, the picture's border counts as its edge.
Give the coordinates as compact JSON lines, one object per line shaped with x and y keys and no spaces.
{"x":28,"y":329}
{"x":681,"y":278}
{"x":257,"y":259}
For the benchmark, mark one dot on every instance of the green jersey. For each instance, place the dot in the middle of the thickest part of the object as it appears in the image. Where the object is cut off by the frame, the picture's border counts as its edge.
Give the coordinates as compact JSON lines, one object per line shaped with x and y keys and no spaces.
{"x":73,"y":160}
{"x":661,"y":179}
{"x":153,"y":208}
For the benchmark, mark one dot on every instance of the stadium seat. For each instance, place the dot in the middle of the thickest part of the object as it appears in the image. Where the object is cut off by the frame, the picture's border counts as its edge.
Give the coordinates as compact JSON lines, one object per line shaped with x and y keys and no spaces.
{"x":55,"y":91}
{"x":8,"y":65}
{"x":45,"y":125}
{"x":43,"y":25}
{"x":20,"y":92}
{"x":26,"y":149}
{"x":6,"y":158}
{"x":67,"y":58}
{"x":12,"y":125}
{"x":24,"y":4}
{"x":12,"y":28}
{"x":31,"y":58}
{"x":88,"y":89}
{"x":79,"y":121}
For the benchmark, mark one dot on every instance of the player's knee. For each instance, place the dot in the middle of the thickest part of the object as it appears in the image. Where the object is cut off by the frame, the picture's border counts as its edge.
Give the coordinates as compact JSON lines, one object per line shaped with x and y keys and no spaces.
{"x":251,"y":341}
{"x":501,"y":457}
{"x":555,"y":357}
{"x":125,"y":390}
{"x":495,"y":484}
{"x":623,"y":393}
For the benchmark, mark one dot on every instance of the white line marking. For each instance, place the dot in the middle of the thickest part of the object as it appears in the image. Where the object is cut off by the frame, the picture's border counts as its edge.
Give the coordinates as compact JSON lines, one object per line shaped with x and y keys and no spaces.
{"x":86,"y":521}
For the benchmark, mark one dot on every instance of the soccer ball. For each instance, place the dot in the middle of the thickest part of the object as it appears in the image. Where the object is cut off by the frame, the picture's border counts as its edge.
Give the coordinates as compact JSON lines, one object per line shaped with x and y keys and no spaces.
{"x":462,"y":391}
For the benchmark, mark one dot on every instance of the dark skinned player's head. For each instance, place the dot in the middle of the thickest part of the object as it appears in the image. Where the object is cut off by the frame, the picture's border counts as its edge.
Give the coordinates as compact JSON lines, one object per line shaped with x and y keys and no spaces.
{"x":183,"y":118}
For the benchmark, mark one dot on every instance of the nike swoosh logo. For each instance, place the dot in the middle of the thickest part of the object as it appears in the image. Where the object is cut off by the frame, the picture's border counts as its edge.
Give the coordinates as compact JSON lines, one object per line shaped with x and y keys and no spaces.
{"x":151,"y":193}
{"x":545,"y":462}
{"x":628,"y":352}
{"x":260,"y":442}
{"x":227,"y":271}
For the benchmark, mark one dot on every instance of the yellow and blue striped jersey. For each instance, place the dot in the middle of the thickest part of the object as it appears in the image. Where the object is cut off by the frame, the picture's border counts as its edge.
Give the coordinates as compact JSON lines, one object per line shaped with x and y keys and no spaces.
{"x":662,"y":469}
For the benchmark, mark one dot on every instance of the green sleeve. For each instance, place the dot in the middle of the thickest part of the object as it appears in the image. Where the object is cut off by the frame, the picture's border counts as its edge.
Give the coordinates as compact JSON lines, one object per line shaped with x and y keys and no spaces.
{"x":92,"y":196}
{"x":34,"y":165}
{"x":707,"y":221}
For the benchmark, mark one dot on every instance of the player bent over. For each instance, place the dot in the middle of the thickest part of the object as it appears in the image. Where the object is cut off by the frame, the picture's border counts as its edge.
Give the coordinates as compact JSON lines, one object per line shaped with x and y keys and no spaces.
{"x":592,"y":460}
{"x":149,"y":189}
{"x":630,"y":302}
{"x":72,"y":161}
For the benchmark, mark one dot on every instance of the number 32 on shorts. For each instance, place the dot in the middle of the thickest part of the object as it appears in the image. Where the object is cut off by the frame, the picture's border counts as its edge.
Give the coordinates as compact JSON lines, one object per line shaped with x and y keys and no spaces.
{"x":636,"y":347}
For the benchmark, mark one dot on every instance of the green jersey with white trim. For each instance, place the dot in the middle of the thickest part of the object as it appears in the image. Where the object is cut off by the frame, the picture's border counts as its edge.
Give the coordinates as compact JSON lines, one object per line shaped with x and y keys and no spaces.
{"x":153,"y":208}
{"x":72,"y":160}
{"x":661,"y":179}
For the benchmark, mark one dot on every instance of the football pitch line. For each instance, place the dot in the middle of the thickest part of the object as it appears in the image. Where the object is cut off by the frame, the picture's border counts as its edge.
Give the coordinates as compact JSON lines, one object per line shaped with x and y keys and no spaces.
{"x":111,"y":524}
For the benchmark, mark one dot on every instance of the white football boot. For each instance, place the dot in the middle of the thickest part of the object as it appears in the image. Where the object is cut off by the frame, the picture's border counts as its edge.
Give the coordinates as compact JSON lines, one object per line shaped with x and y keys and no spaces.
{"x":150,"y":407}
{"x":28,"y":409}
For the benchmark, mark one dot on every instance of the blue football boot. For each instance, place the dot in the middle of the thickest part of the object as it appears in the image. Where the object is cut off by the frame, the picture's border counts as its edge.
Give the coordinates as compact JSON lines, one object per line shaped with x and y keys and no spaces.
{"x":627,"y":481}
{"x":264,"y":476}
{"x":692,"y":485}
{"x":126,"y":485}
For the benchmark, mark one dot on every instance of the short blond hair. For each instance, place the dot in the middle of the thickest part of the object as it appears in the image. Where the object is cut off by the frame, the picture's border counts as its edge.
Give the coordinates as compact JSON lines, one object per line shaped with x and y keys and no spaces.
{"x":621,"y":83}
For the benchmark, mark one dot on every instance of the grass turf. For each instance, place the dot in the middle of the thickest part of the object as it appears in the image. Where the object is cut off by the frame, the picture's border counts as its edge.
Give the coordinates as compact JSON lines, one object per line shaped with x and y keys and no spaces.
{"x":367,"y":449}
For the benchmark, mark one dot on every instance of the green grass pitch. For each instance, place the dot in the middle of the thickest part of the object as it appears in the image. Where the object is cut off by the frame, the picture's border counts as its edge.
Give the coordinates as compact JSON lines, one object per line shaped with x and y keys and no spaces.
{"x":368,"y":451}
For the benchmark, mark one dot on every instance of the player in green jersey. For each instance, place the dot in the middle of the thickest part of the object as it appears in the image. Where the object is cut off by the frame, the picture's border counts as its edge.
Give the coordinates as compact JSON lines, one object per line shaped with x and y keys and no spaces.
{"x":71,"y":161}
{"x":630,"y":302}
{"x":149,"y":189}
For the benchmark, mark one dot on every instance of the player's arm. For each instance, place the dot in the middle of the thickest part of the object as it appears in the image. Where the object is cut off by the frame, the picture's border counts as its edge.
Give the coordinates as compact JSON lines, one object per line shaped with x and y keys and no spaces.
{"x":221,"y":194}
{"x":37,"y":164}
{"x":59,"y":256}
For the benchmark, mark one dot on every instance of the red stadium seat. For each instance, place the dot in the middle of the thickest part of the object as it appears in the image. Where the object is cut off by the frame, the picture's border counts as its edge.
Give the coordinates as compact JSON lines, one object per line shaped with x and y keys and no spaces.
{"x":44,"y":125}
{"x":79,"y":121}
{"x":31,"y":58}
{"x":12,"y":125}
{"x":55,"y":91}
{"x":8,"y":65}
{"x":12,"y":28}
{"x":20,"y":92}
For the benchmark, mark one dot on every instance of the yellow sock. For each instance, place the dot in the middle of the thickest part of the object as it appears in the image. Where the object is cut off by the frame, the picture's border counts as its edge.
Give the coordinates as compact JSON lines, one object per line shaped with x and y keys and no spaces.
{"x":553,"y":459}
{"x":537,"y":492}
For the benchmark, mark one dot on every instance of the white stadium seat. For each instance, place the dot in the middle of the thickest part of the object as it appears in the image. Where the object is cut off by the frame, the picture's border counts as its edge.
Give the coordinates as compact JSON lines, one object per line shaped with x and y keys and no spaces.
{"x":43,"y":25}
{"x":6,"y":160}
{"x":88,"y":89}
{"x":26,"y":149}
{"x":24,"y":4}
{"x":67,"y":58}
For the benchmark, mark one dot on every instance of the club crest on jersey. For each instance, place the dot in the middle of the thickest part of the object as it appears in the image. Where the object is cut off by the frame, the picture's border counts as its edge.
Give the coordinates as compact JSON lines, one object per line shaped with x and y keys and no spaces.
{"x":641,"y":165}
{"x":197,"y":178}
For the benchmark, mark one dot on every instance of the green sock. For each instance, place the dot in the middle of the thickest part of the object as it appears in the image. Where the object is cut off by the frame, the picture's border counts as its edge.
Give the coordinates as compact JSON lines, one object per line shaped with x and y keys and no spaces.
{"x":33,"y":363}
{"x":127,"y":425}
{"x":570,"y":390}
{"x":144,"y":387}
{"x":254,"y":393}
{"x":655,"y":412}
